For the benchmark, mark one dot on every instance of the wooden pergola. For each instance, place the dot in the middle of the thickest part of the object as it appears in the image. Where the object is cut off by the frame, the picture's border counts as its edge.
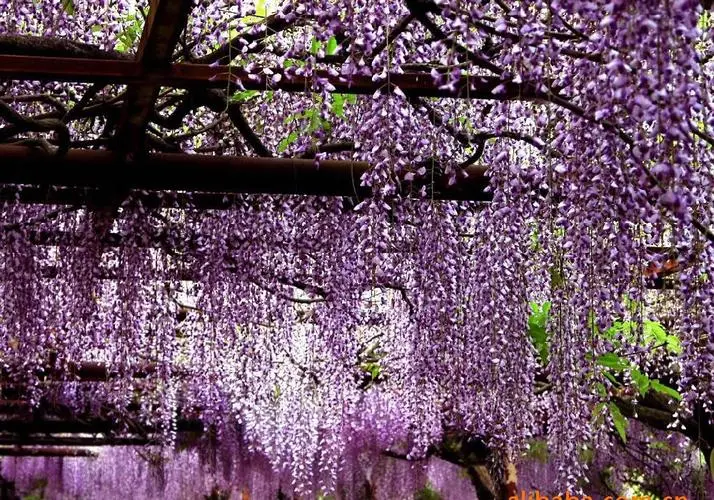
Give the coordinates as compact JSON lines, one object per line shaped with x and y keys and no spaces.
{"x":128,"y":162}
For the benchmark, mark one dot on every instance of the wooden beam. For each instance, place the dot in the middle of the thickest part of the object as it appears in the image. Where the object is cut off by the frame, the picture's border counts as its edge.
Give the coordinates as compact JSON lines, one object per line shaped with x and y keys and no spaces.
{"x":73,"y":440}
{"x":101,"y":170}
{"x":183,"y":438}
{"x":58,"y":195}
{"x":205,"y":76}
{"x":45,"y":451}
{"x":166,"y":20}
{"x":22,"y":427}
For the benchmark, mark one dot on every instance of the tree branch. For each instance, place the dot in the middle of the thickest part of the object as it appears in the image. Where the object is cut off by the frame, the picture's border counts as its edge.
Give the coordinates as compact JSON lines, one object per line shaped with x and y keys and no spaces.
{"x":20,"y":124}
{"x":27,"y":45}
{"x":217,"y":102}
{"x":271,"y":25}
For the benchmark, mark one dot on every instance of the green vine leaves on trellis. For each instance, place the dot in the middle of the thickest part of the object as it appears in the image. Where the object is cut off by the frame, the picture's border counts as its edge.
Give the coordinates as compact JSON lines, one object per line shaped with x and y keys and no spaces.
{"x":615,"y":367}
{"x":133,"y":26}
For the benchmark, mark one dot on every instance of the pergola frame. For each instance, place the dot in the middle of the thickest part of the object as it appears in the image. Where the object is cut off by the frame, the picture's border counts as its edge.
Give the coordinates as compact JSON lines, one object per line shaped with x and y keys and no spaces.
{"x":152,"y":69}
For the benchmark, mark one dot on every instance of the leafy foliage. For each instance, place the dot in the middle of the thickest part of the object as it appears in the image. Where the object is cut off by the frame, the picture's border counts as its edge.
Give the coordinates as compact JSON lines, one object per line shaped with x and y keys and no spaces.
{"x":537,"y":329}
{"x":133,"y":24}
{"x":427,"y":493}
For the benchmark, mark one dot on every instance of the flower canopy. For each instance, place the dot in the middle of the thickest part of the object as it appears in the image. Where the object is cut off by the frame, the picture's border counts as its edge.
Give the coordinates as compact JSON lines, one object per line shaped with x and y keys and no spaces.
{"x":318,"y":229}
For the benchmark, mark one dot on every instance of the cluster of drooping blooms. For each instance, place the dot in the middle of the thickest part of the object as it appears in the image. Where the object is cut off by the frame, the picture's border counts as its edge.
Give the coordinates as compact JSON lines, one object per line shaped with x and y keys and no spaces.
{"x":210,"y":468}
{"x":634,"y":467}
{"x":224,"y":472}
{"x":312,"y":326}
{"x":280,"y":323}
{"x":97,"y":23}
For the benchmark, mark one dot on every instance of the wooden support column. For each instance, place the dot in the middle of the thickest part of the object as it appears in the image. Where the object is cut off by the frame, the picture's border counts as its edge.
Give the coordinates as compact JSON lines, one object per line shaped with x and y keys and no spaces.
{"x":166,"y":20}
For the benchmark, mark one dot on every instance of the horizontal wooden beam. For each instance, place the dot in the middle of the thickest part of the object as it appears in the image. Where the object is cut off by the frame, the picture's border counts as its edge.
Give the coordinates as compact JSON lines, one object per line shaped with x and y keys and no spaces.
{"x":85,"y":371}
{"x":72,"y":440}
{"x":59,"y":195}
{"x":183,"y":439}
{"x":21,"y":426}
{"x":202,"y":76}
{"x":103,"y":171}
{"x":45,"y":451}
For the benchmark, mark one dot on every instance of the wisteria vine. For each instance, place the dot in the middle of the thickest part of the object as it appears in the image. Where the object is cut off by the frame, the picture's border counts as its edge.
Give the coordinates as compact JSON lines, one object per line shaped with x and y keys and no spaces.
{"x":312,"y":329}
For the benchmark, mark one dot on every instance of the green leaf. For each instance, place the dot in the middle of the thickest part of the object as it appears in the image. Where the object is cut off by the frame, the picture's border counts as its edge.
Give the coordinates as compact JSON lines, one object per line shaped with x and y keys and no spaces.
{"x":660,"y":445}
{"x":263,"y":9}
{"x":598,"y":414}
{"x":331,"y":46}
{"x":613,"y":361}
{"x":641,"y":380}
{"x":587,"y":454}
{"x":673,"y":344}
{"x":131,"y":33}
{"x":592,"y":323}
{"x":374,"y":369}
{"x":711,"y":463}
{"x":317,"y":122}
{"x":538,"y":450}
{"x":611,"y":378}
{"x":260,"y":9}
{"x":427,"y":493}
{"x":601,"y":389}
{"x":315,"y":46}
{"x":291,"y":138}
{"x":658,"y":386}
{"x":624,"y":328}
{"x":466,"y":123}
{"x":556,"y":277}
{"x":620,"y":421}
{"x":292,"y":118}
{"x":293,"y":62}
{"x":655,"y":332}
{"x":338,"y":105}
{"x":537,"y":329}
{"x":68,"y":6}
{"x":244,"y":95}
{"x":535,"y":241}
{"x":632,"y":305}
